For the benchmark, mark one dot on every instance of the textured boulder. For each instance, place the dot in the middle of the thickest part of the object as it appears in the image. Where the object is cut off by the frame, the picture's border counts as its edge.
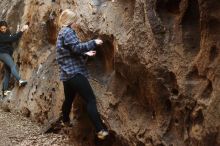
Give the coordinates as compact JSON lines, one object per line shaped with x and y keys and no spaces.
{"x":156,"y":76}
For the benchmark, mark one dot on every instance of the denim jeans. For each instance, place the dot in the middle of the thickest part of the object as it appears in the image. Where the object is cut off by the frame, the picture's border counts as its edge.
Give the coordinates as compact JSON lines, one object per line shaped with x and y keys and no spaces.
{"x":9,"y":67}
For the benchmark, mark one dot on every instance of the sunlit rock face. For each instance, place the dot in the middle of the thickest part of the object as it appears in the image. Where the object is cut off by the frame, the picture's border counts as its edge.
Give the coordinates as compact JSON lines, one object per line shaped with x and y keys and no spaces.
{"x":156,"y":77}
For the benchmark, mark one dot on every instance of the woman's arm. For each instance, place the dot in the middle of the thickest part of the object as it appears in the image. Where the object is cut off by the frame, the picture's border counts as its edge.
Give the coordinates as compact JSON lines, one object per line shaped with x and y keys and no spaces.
{"x":71,"y":40}
{"x":10,"y":38}
{"x":13,"y":37}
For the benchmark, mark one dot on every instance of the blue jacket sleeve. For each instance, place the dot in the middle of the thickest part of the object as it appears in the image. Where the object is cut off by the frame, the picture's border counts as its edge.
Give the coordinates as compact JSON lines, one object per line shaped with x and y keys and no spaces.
{"x":72,"y":41}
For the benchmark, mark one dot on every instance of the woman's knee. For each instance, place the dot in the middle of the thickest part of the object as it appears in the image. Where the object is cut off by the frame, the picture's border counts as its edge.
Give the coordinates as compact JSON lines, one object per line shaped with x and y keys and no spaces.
{"x":14,"y":68}
{"x":7,"y":59}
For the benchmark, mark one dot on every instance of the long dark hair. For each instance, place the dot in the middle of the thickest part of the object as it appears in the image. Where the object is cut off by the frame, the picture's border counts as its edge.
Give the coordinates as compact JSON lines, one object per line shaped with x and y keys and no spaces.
{"x":4,"y":23}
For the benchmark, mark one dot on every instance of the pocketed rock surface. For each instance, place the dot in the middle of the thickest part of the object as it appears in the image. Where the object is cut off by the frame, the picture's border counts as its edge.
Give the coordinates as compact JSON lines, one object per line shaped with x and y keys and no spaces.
{"x":156,"y":77}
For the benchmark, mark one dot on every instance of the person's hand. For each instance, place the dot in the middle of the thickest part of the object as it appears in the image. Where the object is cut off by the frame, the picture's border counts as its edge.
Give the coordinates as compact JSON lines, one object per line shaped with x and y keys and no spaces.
{"x":24,"y":28}
{"x":91,"y":53}
{"x":98,"y":41}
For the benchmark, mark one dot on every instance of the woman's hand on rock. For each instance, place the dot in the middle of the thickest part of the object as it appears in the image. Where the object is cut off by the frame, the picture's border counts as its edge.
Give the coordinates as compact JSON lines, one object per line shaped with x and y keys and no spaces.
{"x":91,"y":53}
{"x":98,"y":41}
{"x":24,"y":28}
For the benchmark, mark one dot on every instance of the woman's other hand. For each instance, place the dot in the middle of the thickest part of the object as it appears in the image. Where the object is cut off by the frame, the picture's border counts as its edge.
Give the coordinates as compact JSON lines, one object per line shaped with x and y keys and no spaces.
{"x":24,"y":28}
{"x":91,"y":53}
{"x":98,"y":41}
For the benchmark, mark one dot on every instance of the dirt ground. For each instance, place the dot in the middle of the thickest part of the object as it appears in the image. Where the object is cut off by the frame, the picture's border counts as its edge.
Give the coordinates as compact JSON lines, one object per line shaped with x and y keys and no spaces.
{"x":23,"y":132}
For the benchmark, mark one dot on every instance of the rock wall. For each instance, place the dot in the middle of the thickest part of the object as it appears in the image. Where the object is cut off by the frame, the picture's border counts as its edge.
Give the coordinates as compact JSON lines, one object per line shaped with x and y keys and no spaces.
{"x":156,"y":77}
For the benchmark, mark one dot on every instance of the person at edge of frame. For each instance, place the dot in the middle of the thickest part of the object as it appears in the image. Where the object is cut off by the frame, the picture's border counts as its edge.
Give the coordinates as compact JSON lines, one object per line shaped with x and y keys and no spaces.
{"x":6,"y":52}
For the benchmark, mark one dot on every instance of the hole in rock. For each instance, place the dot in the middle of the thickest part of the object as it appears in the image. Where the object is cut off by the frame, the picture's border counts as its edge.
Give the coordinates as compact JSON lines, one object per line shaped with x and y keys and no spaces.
{"x":208,"y":91}
{"x":193,"y":73}
{"x":176,"y":121}
{"x":175,"y":91}
{"x":213,"y":53}
{"x":171,"y":6}
{"x":139,"y":143}
{"x":200,"y":117}
{"x":167,"y":10}
{"x":168,"y":105}
{"x":51,"y":28}
{"x":213,"y":25}
{"x":101,"y":67}
{"x":191,"y":27}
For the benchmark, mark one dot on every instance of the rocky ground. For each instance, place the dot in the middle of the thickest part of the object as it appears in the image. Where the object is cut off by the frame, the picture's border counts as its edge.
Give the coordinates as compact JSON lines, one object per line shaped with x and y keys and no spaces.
{"x":16,"y":130}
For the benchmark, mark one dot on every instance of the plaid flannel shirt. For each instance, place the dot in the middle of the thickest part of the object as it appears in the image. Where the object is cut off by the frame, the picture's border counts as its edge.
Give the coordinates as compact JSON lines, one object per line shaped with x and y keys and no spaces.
{"x":70,"y":52}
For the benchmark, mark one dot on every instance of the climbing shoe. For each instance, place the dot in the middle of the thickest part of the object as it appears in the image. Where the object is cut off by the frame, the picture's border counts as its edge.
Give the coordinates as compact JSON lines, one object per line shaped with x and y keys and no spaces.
{"x":5,"y":93}
{"x":102,"y":134}
{"x":22,"y":82}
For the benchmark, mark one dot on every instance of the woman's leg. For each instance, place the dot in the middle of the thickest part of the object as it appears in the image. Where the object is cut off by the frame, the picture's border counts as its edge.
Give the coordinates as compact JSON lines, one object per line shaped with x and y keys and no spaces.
{"x":6,"y":78}
{"x":82,"y":86}
{"x":7,"y":59}
{"x":68,"y":101}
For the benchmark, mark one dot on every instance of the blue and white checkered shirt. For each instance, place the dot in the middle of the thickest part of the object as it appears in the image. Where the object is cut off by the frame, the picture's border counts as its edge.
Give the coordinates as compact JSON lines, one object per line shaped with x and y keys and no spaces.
{"x":70,"y":52}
